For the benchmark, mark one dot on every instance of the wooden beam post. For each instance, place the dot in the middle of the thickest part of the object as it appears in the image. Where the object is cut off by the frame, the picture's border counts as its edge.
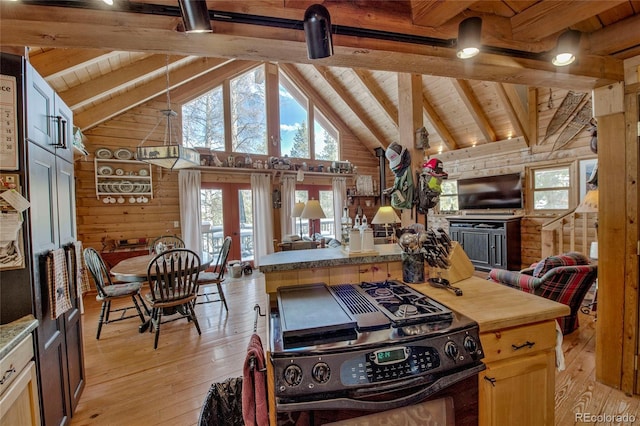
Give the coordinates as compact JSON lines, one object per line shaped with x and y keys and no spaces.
{"x":410,"y":120}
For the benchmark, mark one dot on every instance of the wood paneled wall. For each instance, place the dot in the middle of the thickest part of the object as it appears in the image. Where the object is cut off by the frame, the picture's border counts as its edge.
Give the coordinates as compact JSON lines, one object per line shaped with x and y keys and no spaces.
{"x":98,"y":221}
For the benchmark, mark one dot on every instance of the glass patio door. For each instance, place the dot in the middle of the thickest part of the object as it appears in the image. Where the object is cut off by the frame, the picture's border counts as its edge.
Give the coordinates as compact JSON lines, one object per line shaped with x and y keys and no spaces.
{"x":228,"y":210}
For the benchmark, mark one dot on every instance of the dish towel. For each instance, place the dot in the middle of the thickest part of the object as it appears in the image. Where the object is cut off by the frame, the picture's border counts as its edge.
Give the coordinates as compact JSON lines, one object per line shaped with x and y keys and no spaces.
{"x":559,"y":354}
{"x":58,"y":281}
{"x":254,"y":385}
{"x":81,"y":272}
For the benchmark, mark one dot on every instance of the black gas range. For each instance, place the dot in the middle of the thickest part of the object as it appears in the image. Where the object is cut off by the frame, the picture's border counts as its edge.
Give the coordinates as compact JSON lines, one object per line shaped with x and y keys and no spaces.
{"x":373,"y":345}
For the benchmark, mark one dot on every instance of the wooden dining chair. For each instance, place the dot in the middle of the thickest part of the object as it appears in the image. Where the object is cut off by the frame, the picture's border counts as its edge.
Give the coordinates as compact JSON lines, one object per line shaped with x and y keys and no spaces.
{"x":173,"y":285}
{"x":207,"y":280}
{"x":108,"y":291}
{"x":167,"y":242}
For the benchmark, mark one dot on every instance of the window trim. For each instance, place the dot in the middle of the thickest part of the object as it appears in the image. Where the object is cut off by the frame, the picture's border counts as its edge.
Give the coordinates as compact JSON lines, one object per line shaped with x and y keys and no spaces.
{"x":572,"y":188}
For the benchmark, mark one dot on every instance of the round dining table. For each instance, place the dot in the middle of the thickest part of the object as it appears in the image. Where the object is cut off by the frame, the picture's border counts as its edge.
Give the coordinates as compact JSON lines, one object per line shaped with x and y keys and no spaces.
{"x":134,"y":269}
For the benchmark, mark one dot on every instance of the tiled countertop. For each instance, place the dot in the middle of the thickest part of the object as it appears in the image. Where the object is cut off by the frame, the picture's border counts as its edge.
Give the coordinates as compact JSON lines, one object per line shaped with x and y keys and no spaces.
{"x":12,"y":333}
{"x":324,"y":257}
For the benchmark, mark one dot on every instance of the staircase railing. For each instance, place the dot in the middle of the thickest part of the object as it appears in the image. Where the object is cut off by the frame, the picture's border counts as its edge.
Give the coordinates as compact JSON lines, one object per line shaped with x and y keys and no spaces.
{"x":570,"y":232}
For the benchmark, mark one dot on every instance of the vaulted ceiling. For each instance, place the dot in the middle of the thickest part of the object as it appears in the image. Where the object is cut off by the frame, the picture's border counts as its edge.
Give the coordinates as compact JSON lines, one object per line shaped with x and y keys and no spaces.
{"x":104,"y":60}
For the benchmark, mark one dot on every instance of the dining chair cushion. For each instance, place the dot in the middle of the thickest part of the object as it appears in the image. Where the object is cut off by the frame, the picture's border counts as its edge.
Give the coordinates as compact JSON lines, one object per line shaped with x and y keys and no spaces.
{"x":116,"y":290}
{"x":207,"y":277}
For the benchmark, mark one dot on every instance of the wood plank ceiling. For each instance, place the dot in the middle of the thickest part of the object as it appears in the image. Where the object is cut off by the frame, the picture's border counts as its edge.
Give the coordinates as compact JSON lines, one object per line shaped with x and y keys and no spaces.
{"x":104,"y":60}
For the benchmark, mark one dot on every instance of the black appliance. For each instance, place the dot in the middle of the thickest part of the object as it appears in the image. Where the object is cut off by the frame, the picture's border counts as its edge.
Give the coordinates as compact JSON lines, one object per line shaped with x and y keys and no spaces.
{"x":367,"y":347}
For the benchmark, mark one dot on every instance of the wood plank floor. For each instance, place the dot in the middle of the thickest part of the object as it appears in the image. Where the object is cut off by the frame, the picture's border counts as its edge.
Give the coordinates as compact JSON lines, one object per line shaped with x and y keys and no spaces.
{"x":130,"y":383}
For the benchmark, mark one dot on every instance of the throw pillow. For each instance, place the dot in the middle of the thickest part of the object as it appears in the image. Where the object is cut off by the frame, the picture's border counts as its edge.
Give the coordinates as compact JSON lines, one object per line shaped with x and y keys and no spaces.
{"x":566,"y":259}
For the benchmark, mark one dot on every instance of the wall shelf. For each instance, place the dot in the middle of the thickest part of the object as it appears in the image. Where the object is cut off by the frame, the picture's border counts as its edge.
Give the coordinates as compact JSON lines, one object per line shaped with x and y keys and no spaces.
{"x":130,"y":178}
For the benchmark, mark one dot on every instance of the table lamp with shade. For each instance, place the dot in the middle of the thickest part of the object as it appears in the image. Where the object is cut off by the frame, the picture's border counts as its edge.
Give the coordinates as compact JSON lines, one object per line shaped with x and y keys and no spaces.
{"x":312,"y":210}
{"x":384,"y":216}
{"x":297,"y":213}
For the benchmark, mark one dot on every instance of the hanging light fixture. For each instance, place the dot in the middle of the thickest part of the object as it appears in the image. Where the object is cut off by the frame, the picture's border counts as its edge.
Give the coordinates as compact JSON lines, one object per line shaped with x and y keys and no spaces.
{"x":568,"y":44}
{"x":171,"y":155}
{"x":469,"y":32}
{"x":317,"y":32}
{"x":195,"y":16}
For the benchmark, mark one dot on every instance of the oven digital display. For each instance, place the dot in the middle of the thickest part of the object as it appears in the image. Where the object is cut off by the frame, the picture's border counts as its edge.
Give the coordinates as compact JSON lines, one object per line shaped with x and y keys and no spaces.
{"x":390,"y":355}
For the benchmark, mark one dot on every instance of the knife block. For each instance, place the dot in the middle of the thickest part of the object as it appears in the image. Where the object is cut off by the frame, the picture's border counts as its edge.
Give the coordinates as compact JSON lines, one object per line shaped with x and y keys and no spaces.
{"x":461,"y":267}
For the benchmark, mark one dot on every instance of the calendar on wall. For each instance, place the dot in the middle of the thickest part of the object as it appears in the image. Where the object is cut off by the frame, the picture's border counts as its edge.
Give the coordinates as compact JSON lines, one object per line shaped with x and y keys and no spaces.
{"x":8,"y":123}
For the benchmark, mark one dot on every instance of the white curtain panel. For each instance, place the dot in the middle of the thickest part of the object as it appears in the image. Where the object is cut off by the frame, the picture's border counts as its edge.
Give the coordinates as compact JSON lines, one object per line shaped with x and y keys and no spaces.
{"x":288,"y":200}
{"x":190,"y":217}
{"x":262,"y":216}
{"x":339,"y":196}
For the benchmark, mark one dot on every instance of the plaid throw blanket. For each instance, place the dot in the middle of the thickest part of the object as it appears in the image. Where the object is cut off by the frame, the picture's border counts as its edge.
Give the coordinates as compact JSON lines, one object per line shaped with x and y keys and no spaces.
{"x":58,"y":280}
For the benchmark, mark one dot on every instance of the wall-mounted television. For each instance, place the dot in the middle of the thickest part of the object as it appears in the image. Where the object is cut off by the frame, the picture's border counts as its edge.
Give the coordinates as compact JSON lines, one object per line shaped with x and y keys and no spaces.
{"x":490,"y":192}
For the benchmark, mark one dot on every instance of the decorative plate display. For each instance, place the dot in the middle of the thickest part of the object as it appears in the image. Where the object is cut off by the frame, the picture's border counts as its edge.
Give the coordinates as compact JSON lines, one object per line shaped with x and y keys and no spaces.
{"x":105,"y":170}
{"x":123,"y":154}
{"x":119,"y":172}
{"x":143,"y":172}
{"x":126,"y":186}
{"x":104,"y":153}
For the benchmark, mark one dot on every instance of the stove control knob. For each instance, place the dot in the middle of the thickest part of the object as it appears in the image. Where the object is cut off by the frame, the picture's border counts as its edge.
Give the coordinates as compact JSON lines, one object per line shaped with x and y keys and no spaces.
{"x":471,"y":345}
{"x":321,"y":372}
{"x":293,"y":375}
{"x":451,"y":350}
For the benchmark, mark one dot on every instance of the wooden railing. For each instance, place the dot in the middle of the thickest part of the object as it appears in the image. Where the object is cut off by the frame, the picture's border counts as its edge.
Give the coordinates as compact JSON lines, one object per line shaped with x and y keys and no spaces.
{"x":569,"y":232}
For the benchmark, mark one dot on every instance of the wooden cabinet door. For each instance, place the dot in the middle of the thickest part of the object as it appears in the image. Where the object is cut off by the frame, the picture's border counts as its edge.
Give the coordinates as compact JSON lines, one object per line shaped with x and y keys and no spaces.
{"x":66,"y":202}
{"x":40,"y":110}
{"x":518,"y":391}
{"x":63,"y":129}
{"x":19,"y":404}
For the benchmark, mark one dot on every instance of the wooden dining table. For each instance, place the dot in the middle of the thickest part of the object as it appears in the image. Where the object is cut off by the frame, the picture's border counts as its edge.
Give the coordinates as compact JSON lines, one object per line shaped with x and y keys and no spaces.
{"x":134,"y":269}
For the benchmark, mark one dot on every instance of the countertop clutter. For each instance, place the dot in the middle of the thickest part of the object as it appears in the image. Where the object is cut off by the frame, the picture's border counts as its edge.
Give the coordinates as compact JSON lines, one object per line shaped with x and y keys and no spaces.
{"x":13,"y":333}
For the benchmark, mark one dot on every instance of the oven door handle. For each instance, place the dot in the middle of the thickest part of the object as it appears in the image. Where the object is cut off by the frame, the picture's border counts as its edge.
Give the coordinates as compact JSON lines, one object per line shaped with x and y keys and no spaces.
{"x":381,"y":405}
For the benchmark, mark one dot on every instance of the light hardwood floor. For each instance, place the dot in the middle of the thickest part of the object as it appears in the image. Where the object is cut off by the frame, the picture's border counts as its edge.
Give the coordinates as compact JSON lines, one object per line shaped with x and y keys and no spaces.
{"x":129,"y":383}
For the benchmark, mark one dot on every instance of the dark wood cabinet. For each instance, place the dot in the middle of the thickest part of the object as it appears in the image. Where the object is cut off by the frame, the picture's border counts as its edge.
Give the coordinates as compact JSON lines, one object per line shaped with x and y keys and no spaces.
{"x":489,"y":241}
{"x":50,"y":188}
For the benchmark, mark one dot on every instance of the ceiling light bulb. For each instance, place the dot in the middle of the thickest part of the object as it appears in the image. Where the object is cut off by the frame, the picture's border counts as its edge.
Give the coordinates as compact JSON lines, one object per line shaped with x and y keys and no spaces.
{"x":568,"y":44}
{"x":195,"y":16}
{"x":109,"y":2}
{"x":469,"y":32}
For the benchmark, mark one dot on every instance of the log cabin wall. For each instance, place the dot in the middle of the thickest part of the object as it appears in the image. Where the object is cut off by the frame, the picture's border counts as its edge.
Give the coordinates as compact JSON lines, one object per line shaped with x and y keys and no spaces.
{"x":516,"y":156}
{"x":99,"y":223}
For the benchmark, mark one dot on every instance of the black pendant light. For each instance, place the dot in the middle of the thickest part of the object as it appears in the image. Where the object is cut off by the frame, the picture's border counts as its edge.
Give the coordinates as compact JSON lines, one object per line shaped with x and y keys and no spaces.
{"x":195,"y":16}
{"x":469,"y":32}
{"x":568,"y":44}
{"x":317,"y":31}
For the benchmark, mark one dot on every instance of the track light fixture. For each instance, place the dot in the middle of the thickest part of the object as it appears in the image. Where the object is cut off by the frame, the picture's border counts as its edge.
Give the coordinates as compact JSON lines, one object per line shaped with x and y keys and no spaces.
{"x":317,"y":32}
{"x":195,"y":16}
{"x":568,"y":44}
{"x":469,"y":32}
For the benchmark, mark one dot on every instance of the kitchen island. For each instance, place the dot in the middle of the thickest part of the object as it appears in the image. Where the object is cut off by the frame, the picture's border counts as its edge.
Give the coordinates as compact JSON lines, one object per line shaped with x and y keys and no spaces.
{"x":517,"y":329}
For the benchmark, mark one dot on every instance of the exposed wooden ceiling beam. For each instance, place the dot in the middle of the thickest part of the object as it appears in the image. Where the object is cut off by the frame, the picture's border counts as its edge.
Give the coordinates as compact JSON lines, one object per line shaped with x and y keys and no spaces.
{"x":514,"y":109}
{"x":549,"y":17}
{"x":106,"y":110}
{"x":357,"y":109}
{"x":475,"y":109}
{"x":615,"y":38}
{"x":53,"y":63}
{"x":107,"y":84}
{"x":434,"y":13}
{"x":66,"y":27}
{"x":381,"y":98}
{"x":438,"y":124}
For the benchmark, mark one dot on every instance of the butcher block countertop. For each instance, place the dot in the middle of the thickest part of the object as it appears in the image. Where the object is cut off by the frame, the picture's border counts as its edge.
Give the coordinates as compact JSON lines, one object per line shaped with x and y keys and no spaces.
{"x":495,"y":306}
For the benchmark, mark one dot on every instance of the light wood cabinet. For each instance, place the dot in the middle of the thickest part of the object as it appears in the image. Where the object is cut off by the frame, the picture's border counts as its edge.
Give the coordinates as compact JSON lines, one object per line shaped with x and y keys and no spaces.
{"x":518,"y":385}
{"x":19,"y":404}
